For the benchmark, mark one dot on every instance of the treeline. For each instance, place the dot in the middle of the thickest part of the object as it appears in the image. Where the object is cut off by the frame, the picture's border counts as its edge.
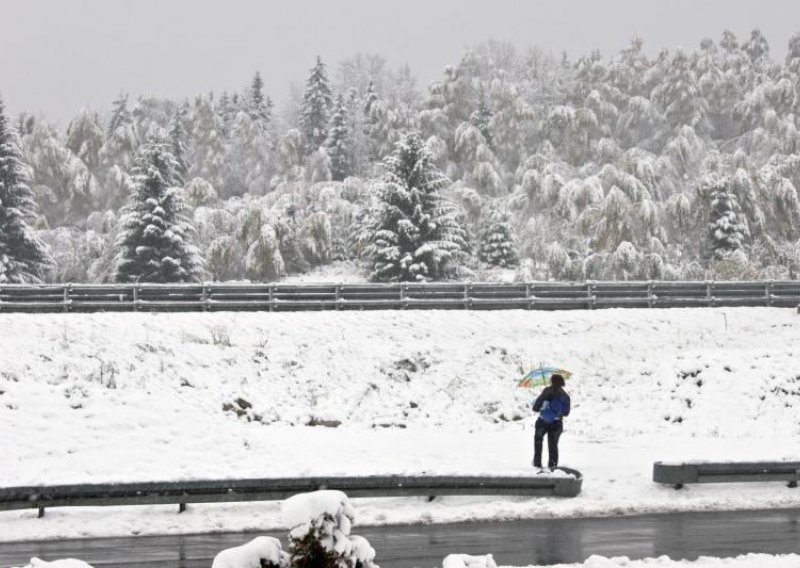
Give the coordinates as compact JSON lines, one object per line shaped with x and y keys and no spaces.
{"x":685,"y":165}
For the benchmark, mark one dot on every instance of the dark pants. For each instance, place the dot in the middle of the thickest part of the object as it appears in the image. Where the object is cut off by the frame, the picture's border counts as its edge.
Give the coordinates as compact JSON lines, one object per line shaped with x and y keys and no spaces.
{"x":553,"y":431}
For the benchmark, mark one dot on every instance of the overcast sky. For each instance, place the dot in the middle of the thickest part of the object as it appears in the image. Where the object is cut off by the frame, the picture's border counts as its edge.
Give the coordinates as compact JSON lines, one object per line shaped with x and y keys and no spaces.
{"x":57,"y":56}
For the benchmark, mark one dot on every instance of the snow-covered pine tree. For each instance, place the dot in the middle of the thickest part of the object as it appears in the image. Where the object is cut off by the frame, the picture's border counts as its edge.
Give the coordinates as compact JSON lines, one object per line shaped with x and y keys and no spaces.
{"x":178,"y":143}
{"x":415,"y":234}
{"x":154,"y":241}
{"x":339,"y":142}
{"x":499,"y":245}
{"x":727,"y":230}
{"x":482,"y":118}
{"x":23,"y":257}
{"x":120,"y":115}
{"x":316,"y":108}
{"x":259,"y":107}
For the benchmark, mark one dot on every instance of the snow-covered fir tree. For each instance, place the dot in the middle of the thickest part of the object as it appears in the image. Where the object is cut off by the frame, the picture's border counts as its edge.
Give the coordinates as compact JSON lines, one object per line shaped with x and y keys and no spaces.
{"x":23,"y":257}
{"x":339,"y":142}
{"x":259,"y":106}
{"x":415,"y":235}
{"x":727,"y":230}
{"x":178,"y":143}
{"x":498,"y":245}
{"x":316,"y":108}
{"x":482,"y":118}
{"x":320,"y":523}
{"x":153,"y":243}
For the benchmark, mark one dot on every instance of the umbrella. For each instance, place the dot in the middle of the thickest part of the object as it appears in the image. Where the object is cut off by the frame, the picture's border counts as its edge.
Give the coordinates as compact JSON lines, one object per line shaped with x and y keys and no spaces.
{"x":540,"y":377}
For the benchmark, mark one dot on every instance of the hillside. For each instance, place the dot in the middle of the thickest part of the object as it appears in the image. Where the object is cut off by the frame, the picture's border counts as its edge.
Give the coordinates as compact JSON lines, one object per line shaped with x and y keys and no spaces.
{"x":176,"y":396}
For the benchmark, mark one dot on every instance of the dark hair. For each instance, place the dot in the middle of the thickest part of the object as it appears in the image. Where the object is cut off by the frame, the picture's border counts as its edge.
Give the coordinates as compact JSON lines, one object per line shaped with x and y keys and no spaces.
{"x":557,"y":381}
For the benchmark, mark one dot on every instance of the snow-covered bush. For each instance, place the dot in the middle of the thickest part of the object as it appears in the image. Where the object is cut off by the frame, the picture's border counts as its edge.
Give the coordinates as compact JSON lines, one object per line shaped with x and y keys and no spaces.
{"x":261,"y":552}
{"x":319,"y":536}
{"x":468,"y":561}
{"x":64,"y":563}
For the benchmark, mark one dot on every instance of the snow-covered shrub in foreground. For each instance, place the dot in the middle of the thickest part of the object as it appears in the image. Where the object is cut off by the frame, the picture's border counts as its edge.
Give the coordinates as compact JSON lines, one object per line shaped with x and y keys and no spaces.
{"x":467,"y":561}
{"x":65,"y":563}
{"x":319,"y":536}
{"x":261,"y":552}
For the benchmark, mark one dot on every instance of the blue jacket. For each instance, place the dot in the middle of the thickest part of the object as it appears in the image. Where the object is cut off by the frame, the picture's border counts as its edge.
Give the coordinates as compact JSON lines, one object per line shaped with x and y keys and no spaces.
{"x":552,"y":404}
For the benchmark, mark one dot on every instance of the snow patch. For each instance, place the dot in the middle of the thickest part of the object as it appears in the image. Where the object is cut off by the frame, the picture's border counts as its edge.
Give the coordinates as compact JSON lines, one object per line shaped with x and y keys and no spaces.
{"x":261,"y":552}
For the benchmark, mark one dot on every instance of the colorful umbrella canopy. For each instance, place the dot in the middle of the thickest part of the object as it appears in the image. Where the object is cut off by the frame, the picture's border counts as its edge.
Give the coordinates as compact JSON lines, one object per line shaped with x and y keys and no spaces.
{"x":540,"y":377}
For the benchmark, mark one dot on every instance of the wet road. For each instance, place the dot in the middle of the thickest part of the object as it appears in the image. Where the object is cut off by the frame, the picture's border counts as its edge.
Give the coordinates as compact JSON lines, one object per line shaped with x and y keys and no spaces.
{"x":678,"y":535}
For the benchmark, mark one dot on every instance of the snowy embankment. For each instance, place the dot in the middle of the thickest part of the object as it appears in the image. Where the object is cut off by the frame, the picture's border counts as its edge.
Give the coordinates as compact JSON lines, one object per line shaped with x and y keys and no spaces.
{"x":744,"y":561}
{"x":134,"y":397}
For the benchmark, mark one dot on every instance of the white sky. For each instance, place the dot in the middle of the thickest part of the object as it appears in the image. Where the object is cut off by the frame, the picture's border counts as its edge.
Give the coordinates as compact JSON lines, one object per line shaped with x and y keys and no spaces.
{"x":57,"y":56}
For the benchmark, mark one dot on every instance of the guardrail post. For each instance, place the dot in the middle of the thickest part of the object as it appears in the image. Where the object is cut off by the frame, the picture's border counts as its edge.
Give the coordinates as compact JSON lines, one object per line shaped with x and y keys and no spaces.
{"x":650,"y":299}
{"x":590,"y":294}
{"x":768,"y":293}
{"x":135,"y":296}
{"x":66,"y":298}
{"x":467,"y":299}
{"x":181,"y":508}
{"x":709,"y":290}
{"x":403,"y":295}
{"x":271,"y":297}
{"x":204,"y":298}
{"x":337,"y":296}
{"x":41,"y":513}
{"x":529,"y":302}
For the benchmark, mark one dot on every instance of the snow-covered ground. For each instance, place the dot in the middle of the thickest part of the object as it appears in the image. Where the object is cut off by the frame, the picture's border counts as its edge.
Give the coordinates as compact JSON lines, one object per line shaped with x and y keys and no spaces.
{"x":744,"y":561}
{"x":348,"y":271}
{"x":103,"y":397}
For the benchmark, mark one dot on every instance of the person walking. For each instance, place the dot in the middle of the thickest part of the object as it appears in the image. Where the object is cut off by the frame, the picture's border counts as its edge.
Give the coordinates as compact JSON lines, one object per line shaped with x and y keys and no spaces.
{"x":552,"y":405}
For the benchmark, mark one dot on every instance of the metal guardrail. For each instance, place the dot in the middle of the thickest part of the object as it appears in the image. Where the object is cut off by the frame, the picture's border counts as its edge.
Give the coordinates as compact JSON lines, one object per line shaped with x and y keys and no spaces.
{"x":237,"y":490}
{"x":724,"y":472}
{"x":396,"y":296}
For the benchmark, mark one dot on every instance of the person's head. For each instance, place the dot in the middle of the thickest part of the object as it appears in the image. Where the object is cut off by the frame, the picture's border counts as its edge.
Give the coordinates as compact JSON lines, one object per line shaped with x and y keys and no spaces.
{"x":557,"y":381}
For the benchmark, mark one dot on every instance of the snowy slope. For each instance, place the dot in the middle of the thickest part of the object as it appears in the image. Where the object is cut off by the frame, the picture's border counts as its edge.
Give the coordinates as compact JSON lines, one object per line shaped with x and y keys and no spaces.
{"x":744,"y":561}
{"x":106,"y":397}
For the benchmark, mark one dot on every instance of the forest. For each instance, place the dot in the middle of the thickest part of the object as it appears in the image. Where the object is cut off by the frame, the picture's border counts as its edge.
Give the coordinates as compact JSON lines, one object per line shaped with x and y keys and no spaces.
{"x":515,"y":164}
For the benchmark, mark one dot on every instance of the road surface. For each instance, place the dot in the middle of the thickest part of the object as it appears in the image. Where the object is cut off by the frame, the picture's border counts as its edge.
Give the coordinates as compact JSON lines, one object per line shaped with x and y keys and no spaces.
{"x":678,"y":535}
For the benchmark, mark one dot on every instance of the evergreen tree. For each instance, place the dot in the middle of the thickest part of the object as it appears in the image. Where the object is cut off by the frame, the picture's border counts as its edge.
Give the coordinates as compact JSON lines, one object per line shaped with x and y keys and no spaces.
{"x":726,"y":228}
{"x":316,"y":108}
{"x":178,"y":144}
{"x":498,"y":246}
{"x":339,"y":143}
{"x":415,"y":232}
{"x":370,"y":98}
{"x":482,"y":118}
{"x":226,"y":112}
{"x":154,"y":240}
{"x":259,"y":106}
{"x":23,"y":257}
{"x":120,"y":115}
